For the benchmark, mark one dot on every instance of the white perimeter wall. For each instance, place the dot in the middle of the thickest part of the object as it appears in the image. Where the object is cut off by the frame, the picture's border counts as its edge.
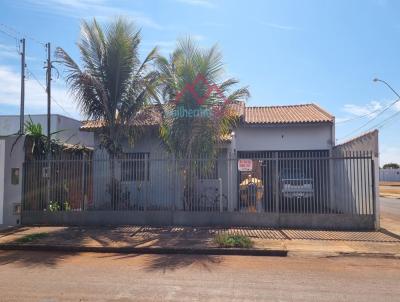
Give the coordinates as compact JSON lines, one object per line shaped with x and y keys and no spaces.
{"x":2,"y":164}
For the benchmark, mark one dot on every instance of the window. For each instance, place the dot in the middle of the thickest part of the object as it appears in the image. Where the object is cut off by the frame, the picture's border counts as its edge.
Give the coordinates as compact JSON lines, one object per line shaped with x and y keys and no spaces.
{"x":135,"y":166}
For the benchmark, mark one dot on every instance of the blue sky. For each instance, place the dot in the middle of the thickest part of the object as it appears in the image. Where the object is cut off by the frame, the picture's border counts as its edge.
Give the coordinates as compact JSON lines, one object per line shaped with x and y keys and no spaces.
{"x":287,"y":52}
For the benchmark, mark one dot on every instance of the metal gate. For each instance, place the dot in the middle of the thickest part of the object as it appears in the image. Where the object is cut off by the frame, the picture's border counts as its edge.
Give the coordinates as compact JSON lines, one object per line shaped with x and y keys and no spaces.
{"x":285,"y":188}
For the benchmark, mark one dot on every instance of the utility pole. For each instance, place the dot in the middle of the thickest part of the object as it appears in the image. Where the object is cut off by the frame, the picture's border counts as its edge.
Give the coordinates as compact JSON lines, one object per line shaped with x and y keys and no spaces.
{"x":48,"y":90}
{"x":22,"y":105}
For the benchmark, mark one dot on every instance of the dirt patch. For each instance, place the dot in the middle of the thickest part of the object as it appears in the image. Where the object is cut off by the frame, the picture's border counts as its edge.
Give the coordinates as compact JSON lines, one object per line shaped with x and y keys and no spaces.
{"x":389,"y":191}
{"x":390,"y":183}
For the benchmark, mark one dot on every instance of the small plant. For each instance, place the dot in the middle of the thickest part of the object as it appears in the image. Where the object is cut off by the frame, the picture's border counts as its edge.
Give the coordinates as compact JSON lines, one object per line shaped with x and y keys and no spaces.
{"x":54,"y":206}
{"x":31,"y":237}
{"x":67,"y":206}
{"x":228,"y":240}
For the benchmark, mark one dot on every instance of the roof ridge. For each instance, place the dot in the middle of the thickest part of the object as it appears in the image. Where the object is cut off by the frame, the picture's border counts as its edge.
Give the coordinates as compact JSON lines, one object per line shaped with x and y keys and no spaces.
{"x":318,"y":107}
{"x":281,"y":106}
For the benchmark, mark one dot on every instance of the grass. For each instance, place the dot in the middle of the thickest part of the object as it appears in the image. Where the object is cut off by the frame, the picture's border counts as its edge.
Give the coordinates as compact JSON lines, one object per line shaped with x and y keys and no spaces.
{"x":31,"y":237}
{"x":229,"y":241}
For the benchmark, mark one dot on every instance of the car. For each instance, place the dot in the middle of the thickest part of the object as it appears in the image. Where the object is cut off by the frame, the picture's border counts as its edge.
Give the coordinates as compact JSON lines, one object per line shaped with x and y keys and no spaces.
{"x":295,"y":184}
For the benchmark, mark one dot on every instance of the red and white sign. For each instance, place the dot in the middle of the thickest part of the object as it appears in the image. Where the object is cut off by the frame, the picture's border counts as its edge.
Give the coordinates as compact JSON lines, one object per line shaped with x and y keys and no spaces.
{"x":245,"y":165}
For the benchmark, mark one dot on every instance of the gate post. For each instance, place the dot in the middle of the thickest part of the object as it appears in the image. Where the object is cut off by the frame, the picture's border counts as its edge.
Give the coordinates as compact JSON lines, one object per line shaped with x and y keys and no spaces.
{"x":276,"y":182}
{"x":375,"y":191}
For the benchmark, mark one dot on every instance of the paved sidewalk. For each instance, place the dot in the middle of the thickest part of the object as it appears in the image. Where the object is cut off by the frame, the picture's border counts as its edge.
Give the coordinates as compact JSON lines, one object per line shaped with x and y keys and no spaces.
{"x":313,"y":242}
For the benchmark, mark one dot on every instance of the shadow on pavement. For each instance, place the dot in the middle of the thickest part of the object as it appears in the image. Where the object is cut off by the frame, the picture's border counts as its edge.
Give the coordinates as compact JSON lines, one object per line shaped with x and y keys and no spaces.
{"x":173,"y":262}
{"x":33,"y":258}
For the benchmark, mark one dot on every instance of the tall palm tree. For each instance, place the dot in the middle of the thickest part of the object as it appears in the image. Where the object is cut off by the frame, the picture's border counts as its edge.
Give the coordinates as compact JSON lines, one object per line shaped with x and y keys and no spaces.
{"x":199,"y":135}
{"x":113,"y":84}
{"x":191,"y":81}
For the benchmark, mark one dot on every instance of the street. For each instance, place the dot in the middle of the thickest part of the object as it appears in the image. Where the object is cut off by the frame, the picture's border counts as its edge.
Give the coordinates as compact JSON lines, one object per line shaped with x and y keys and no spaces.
{"x":41,"y":276}
{"x":390,"y":214}
{"x":52,"y":276}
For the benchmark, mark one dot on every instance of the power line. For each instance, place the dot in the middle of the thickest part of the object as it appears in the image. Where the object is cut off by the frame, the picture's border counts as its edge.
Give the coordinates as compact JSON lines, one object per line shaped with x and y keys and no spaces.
{"x":44,"y":88}
{"x":358,"y":117}
{"x":374,"y":118}
{"x":384,"y":122}
{"x":9,"y":35}
{"x":9,"y":28}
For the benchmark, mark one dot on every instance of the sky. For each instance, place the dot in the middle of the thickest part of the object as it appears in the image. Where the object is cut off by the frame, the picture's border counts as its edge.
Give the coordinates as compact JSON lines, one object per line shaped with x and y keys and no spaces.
{"x":286,"y":52}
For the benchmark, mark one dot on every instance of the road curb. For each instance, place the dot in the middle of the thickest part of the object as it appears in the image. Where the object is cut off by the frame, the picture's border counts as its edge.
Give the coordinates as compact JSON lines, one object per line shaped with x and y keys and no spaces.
{"x":145,"y":250}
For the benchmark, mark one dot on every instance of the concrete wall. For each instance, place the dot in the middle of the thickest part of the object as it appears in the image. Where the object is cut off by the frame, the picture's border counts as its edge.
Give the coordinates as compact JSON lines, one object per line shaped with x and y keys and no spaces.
{"x":12,"y":193}
{"x":368,"y":142}
{"x":2,"y":170}
{"x":389,"y":175}
{"x":284,"y":137}
{"x":9,"y":124}
{"x":226,"y":219}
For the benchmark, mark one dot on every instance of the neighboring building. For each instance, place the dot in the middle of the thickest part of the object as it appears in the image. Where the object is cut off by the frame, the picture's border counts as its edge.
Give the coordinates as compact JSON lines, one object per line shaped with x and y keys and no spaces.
{"x":66,"y":129}
{"x":389,"y":175}
{"x":12,"y":157}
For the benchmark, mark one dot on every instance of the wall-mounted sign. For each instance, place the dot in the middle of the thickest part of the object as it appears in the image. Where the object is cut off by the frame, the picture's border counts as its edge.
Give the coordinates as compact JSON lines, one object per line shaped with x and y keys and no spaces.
{"x":245,"y":165}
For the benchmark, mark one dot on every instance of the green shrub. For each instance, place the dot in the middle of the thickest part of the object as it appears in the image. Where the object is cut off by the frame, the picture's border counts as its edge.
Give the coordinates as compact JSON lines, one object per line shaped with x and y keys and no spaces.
{"x":31,"y":237}
{"x":227,"y":240}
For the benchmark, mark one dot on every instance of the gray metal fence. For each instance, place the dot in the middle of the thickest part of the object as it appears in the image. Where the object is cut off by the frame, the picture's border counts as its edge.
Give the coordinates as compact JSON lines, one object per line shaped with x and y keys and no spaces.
{"x":285,"y":183}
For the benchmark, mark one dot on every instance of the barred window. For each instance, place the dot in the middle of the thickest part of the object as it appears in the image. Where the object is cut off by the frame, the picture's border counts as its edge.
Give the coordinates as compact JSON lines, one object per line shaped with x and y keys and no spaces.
{"x":135,"y":166}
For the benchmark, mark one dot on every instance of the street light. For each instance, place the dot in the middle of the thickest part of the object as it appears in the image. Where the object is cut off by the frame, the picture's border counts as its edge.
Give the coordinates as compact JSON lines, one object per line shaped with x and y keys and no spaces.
{"x":390,"y":87}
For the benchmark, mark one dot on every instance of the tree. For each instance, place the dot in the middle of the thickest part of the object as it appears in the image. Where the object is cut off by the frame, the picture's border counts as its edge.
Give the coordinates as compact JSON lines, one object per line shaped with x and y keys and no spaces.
{"x":113,"y":84}
{"x":191,"y":135}
{"x":391,"y":166}
{"x":191,"y":81}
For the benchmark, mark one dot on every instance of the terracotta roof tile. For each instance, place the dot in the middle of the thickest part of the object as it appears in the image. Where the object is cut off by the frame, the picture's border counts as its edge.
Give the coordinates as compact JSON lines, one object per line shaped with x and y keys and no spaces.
{"x":307,"y":113}
{"x":149,"y":116}
{"x":291,"y":114}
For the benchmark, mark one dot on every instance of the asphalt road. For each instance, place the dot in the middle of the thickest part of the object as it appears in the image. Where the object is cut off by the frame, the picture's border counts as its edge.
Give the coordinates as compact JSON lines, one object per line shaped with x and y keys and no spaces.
{"x":41,"y":276}
{"x":390,"y":214}
{"x":390,"y":208}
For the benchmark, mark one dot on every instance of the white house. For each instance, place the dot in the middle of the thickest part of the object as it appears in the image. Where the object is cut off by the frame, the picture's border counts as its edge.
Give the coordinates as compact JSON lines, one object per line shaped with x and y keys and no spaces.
{"x":263,"y":133}
{"x":279,"y":167}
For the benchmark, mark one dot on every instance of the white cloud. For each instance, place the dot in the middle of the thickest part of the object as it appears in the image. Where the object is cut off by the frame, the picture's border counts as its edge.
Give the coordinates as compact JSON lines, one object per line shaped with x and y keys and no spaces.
{"x":202,"y":3}
{"x":197,"y":37}
{"x":101,"y":9}
{"x":35,"y":96}
{"x":371,"y":109}
{"x":279,"y":26}
{"x":397,"y":106}
{"x":8,"y":52}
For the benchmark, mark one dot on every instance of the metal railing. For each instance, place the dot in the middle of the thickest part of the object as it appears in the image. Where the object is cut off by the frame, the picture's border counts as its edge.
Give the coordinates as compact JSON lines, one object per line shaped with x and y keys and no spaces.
{"x":291,"y":183}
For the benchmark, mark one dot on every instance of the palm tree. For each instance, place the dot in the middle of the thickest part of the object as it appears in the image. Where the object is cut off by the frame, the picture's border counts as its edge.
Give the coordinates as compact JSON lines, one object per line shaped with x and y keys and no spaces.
{"x":191,"y":81}
{"x":198,"y":135}
{"x":112,"y":85}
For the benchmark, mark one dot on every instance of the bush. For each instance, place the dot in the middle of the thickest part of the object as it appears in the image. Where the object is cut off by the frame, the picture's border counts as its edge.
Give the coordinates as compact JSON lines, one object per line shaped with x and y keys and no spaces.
{"x":32,"y":237}
{"x":227,"y":240}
